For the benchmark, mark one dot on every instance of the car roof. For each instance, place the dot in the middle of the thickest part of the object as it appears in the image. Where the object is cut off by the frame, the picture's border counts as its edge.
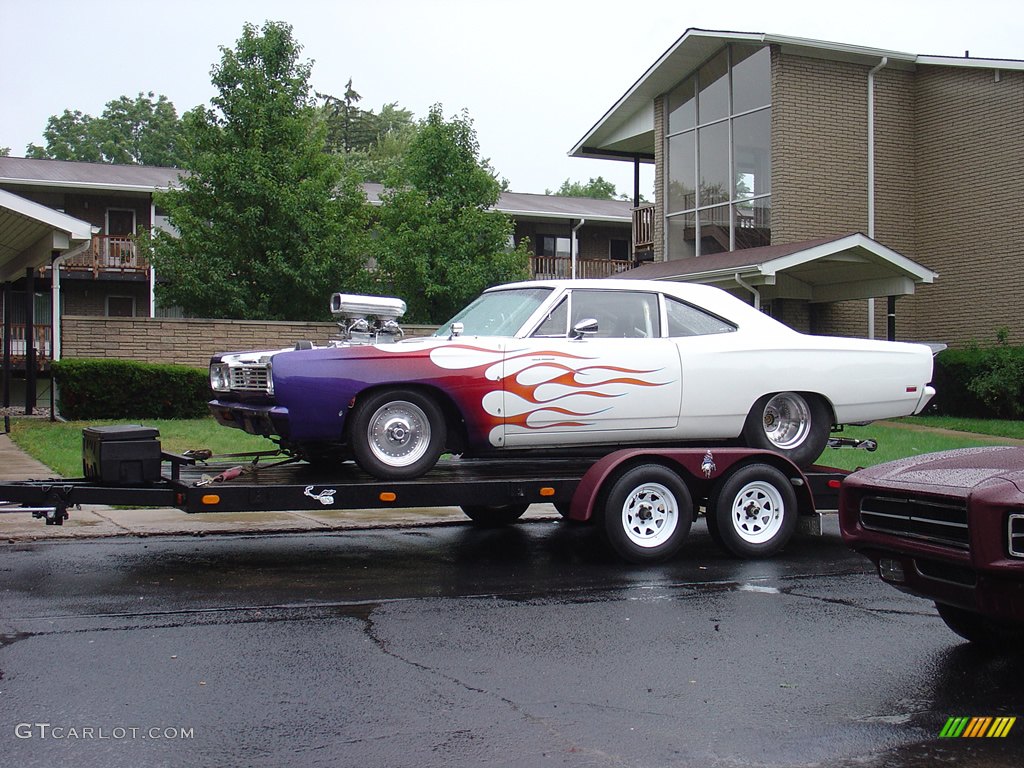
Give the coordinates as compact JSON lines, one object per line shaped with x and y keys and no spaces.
{"x":708,"y":297}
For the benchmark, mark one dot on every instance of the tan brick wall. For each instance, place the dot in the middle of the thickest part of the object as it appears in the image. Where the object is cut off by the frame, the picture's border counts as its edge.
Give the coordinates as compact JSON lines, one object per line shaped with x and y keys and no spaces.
{"x":660,"y":153}
{"x":819,"y":148}
{"x":186,"y":342}
{"x":969,"y":152}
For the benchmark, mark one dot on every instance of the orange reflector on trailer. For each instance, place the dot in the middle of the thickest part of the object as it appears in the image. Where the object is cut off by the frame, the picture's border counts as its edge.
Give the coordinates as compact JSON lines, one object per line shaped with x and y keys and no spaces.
{"x":388,"y":496}
{"x":211,"y":498}
{"x":547,"y":491}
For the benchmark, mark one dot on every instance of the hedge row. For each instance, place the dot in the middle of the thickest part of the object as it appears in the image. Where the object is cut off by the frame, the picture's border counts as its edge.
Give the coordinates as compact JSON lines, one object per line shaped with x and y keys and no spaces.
{"x":980,"y":383}
{"x":126,"y":389}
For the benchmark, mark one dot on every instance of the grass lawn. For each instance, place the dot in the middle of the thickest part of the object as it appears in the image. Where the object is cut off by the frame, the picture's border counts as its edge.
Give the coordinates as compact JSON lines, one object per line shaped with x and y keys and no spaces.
{"x":59,"y":445}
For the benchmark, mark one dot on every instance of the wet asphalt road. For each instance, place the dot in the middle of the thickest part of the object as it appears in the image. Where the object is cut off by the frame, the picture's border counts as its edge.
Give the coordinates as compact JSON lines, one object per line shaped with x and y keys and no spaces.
{"x":453,"y":646}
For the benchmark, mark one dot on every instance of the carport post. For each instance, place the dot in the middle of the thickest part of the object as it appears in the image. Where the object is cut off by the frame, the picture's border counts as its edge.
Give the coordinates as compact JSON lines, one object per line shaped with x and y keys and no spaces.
{"x":30,"y":340}
{"x":7,"y":344}
{"x":891,"y":319}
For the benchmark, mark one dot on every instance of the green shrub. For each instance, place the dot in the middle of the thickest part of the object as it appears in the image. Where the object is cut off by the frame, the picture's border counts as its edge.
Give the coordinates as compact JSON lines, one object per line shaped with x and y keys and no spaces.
{"x":126,"y":389}
{"x":981,"y":382}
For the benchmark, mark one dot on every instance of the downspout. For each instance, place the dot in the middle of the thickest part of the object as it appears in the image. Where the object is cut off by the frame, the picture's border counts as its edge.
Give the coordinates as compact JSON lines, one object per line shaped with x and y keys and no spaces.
{"x":152,"y":271}
{"x":55,"y":329}
{"x":573,"y":247}
{"x":871,"y":175}
{"x":744,"y":284}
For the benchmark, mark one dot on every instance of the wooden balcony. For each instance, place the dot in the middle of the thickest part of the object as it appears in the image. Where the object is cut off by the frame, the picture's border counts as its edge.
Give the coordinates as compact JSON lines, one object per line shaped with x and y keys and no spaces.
{"x":109,"y":253}
{"x":42,"y":342}
{"x":643,"y":228}
{"x":560,"y":267}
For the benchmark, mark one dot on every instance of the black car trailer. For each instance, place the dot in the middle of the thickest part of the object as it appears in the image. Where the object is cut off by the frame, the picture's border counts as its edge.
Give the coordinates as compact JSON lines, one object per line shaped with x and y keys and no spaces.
{"x":644,"y":499}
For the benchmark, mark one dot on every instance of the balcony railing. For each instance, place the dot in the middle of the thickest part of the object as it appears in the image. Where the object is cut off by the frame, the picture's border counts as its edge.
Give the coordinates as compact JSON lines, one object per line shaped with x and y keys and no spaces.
{"x":643,"y":228}
{"x":548,"y":267}
{"x":109,"y":253}
{"x":42,"y":342}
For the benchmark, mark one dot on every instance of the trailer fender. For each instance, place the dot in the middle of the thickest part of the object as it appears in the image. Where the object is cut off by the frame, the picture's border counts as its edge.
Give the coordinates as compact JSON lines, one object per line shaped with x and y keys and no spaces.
{"x":701,"y":469}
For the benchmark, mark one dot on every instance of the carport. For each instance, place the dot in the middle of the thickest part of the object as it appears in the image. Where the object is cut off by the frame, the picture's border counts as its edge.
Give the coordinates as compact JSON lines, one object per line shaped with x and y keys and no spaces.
{"x":32,"y":237}
{"x":824,"y":270}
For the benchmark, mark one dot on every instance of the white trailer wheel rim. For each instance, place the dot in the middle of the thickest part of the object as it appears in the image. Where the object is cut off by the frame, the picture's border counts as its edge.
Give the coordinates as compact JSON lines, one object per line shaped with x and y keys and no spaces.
{"x":757,"y":512}
{"x":399,"y":433}
{"x":650,"y":515}
{"x":786,"y":420}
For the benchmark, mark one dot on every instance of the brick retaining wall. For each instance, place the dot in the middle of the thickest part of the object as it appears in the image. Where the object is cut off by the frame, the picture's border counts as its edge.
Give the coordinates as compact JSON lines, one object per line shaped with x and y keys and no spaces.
{"x":187,"y":342}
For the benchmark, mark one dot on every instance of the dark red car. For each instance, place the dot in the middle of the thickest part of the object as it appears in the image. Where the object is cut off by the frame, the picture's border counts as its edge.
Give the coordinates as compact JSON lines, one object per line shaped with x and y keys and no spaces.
{"x":948,"y":527}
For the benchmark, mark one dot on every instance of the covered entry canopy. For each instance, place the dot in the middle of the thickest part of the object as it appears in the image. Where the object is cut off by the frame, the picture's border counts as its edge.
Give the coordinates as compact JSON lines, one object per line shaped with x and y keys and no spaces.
{"x":828,"y":269}
{"x":30,"y":233}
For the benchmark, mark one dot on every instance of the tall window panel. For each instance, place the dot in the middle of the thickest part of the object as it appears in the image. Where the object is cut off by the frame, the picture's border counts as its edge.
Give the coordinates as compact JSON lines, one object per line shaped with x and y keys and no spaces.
{"x":718,"y":152}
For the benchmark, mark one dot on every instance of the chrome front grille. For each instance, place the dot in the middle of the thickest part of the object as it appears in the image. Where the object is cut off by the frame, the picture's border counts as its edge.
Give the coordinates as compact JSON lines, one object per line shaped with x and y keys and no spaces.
{"x":943,"y":522}
{"x":1017,"y":535}
{"x":249,"y":377}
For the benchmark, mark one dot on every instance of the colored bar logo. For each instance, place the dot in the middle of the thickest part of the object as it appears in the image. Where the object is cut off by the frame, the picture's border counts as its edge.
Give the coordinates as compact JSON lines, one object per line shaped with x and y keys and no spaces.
{"x":977,"y":727}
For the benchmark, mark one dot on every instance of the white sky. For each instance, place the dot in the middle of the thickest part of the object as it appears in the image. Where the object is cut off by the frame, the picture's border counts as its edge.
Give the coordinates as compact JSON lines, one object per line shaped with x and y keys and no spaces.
{"x":535,"y":75}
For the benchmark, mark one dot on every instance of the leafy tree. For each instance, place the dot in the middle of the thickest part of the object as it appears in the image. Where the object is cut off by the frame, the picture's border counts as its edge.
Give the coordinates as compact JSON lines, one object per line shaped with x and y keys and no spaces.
{"x":438,"y":243}
{"x":139,"y":131}
{"x":5,"y":151}
{"x":597,"y":189}
{"x":269,"y":224}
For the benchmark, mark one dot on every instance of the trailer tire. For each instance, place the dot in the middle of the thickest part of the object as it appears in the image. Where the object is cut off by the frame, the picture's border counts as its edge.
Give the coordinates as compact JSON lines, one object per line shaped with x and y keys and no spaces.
{"x":647,"y":514}
{"x":753,"y":511}
{"x":493,"y":516}
{"x":397,"y":434}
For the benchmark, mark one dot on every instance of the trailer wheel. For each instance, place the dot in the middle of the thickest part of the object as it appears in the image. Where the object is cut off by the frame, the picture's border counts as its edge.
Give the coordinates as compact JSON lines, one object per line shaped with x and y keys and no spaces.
{"x":397,"y":434}
{"x":753,"y":512}
{"x":647,"y":514}
{"x":981,"y":630}
{"x":494,"y":516}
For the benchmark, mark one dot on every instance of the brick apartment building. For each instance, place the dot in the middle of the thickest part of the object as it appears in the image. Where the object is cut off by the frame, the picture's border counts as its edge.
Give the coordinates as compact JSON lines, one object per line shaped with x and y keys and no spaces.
{"x":811,"y":177}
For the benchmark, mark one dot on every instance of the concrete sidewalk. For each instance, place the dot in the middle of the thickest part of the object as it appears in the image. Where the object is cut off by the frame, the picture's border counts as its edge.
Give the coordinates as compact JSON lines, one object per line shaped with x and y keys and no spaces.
{"x":101,"y":521}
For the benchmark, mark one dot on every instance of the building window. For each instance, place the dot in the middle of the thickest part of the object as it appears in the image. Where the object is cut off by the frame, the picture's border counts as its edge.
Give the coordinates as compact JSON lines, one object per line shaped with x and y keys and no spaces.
{"x":120,"y":306}
{"x":718,"y":155}
{"x":550,"y":245}
{"x":618,"y":250}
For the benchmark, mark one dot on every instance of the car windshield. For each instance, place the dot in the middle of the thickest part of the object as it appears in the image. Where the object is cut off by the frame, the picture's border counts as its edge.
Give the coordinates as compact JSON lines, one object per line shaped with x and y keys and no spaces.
{"x":499,"y":313}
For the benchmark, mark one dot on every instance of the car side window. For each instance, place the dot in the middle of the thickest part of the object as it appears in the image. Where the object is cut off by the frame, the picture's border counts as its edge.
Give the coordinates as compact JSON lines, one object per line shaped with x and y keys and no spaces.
{"x":687,"y":320}
{"x":556,"y":323}
{"x":619,"y":314}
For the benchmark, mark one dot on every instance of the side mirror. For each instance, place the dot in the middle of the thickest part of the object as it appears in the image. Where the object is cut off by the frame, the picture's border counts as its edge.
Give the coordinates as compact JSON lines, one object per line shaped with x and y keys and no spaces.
{"x":457,"y":329}
{"x":585,"y":327}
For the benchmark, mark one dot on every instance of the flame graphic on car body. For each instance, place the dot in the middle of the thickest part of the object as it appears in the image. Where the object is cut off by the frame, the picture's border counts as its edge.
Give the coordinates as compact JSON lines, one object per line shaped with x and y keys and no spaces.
{"x":544,"y":389}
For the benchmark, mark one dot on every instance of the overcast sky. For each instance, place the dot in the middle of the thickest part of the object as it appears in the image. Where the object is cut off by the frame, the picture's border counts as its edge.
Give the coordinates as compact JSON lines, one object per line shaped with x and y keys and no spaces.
{"x":535,"y":75}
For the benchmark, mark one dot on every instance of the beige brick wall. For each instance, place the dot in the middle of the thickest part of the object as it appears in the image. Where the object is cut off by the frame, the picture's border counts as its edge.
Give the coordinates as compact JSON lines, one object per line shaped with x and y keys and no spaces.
{"x":660,"y":253}
{"x":969,"y":152}
{"x":186,"y":342}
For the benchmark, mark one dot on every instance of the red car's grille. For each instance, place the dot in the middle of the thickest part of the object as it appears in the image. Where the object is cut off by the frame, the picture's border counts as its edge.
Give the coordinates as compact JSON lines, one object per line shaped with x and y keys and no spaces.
{"x":1017,"y":535}
{"x":943,"y":522}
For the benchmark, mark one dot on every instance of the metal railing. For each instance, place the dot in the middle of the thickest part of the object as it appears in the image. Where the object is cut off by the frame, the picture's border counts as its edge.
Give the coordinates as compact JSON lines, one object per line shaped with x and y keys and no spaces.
{"x":42,"y":341}
{"x":643,"y":228}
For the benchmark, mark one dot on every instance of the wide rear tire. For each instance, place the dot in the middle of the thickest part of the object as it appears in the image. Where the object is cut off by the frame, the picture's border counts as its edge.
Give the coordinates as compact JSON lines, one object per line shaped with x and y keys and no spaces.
{"x":792,"y":424}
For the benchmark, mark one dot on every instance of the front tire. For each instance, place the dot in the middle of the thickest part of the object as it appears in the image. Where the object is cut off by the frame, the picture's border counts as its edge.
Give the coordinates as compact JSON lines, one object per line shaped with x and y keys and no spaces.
{"x":647,"y":514}
{"x":981,"y":630}
{"x":753,"y":512}
{"x":397,"y":434}
{"x":791,"y":424}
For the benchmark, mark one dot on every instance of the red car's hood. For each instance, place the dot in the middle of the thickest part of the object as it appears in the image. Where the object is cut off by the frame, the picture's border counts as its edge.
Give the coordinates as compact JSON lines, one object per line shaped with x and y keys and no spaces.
{"x":954,"y":473}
